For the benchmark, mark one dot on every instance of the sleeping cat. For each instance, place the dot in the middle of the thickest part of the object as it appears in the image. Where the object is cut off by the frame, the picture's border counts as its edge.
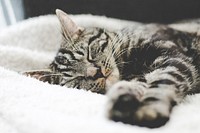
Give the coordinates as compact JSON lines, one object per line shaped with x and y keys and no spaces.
{"x":144,"y":71}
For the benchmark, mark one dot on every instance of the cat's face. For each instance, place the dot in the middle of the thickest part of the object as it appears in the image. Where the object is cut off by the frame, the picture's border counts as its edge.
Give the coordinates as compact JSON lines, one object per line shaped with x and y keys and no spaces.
{"x":85,"y":58}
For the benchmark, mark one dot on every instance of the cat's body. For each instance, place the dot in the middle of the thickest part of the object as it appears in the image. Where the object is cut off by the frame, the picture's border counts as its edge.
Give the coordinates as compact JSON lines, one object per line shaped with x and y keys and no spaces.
{"x":145,"y":71}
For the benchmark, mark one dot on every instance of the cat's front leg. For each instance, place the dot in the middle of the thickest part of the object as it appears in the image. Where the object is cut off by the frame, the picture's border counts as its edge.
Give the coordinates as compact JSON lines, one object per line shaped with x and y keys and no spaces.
{"x":168,"y":82}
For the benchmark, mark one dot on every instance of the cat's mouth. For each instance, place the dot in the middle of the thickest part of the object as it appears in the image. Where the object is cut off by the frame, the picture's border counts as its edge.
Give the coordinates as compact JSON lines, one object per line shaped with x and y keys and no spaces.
{"x":104,"y":77}
{"x":104,"y":83}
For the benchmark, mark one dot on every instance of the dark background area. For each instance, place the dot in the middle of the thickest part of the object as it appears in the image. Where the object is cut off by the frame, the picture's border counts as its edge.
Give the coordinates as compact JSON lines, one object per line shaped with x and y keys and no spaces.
{"x":162,"y":11}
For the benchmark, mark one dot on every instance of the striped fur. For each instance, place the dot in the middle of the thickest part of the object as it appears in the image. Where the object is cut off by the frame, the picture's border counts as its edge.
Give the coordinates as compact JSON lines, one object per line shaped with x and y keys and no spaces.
{"x":145,"y":71}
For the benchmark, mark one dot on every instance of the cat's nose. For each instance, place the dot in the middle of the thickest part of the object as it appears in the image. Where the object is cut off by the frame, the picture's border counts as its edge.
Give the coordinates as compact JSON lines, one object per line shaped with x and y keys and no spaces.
{"x":94,"y":72}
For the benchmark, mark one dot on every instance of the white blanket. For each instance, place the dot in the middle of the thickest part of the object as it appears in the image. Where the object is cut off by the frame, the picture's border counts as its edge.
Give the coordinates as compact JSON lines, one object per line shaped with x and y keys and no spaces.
{"x":31,"y":106}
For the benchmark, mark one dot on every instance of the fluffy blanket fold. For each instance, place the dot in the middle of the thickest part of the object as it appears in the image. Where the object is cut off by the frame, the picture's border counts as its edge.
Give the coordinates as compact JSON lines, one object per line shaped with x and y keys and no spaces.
{"x":31,"y":106}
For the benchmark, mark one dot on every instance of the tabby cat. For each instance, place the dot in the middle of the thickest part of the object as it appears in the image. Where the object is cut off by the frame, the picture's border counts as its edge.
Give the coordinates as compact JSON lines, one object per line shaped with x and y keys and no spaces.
{"x":144,"y":71}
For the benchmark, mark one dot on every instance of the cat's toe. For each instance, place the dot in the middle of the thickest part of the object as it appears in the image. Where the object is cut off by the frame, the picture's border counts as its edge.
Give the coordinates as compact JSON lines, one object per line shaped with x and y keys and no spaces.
{"x":123,"y":108}
{"x":155,"y":109}
{"x":152,"y":116}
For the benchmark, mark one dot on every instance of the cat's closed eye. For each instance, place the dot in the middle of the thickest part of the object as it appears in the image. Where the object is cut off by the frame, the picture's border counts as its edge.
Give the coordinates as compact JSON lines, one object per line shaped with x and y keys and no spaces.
{"x":80,"y":53}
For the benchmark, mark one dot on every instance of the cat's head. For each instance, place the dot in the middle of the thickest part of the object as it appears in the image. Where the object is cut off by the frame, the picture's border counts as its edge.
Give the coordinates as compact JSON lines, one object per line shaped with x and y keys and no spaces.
{"x":86,"y":57}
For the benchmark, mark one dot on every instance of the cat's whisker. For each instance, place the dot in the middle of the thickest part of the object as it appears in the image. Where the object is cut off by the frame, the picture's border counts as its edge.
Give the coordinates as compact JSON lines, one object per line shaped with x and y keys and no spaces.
{"x":121,"y":52}
{"x":118,"y":64}
{"x":111,"y":54}
{"x":127,"y":62}
{"x":114,"y":46}
{"x":70,"y":43}
{"x":48,"y":75}
{"x":123,"y":41}
{"x":37,"y":70}
{"x":118,"y":43}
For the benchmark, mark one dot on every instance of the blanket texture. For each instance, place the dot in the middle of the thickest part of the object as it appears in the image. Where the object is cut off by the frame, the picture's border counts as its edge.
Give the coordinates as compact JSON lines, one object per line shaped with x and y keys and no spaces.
{"x":31,"y":106}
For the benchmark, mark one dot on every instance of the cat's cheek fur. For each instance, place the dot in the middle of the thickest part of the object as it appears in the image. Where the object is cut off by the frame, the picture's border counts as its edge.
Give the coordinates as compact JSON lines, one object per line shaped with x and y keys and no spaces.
{"x":112,"y":79}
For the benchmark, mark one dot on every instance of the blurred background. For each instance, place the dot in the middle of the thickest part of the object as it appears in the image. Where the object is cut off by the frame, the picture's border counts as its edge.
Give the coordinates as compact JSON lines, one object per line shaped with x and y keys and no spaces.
{"x":160,"y":11}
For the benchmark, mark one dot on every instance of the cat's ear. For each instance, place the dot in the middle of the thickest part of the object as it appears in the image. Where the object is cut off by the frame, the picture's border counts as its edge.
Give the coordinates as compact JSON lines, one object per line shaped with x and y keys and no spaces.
{"x":69,"y":27}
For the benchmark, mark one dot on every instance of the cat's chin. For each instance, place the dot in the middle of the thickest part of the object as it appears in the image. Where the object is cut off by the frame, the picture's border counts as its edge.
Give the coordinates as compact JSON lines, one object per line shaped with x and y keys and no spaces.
{"x":112,"y":79}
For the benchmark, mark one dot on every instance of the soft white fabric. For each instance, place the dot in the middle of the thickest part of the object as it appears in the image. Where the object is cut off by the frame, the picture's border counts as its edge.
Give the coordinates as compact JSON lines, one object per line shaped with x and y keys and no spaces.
{"x":31,"y":106}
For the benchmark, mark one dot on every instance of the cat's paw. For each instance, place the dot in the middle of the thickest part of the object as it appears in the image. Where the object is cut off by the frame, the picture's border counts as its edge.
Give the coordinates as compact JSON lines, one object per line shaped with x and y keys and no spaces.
{"x":132,"y":103}
{"x":124,"y":100}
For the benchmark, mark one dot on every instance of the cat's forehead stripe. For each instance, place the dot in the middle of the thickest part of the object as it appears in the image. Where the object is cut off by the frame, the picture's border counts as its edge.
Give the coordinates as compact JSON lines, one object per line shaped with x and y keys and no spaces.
{"x":95,"y":37}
